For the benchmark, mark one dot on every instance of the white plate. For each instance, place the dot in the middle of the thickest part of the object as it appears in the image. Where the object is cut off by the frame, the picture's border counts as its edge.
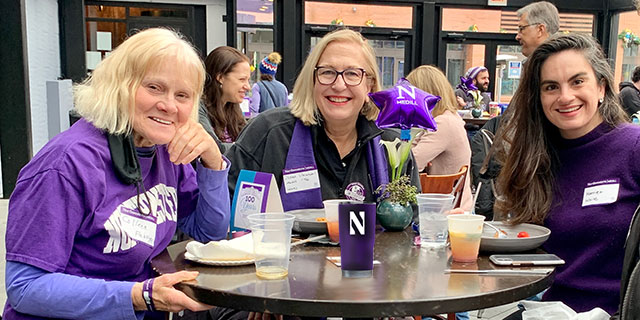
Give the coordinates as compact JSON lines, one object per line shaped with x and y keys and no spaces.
{"x":306,"y":221}
{"x":537,"y":236}
{"x":225,"y":263}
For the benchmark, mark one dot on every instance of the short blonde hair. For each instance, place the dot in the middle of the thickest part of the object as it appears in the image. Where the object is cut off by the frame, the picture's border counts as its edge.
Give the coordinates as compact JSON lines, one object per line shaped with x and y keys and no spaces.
{"x":107,"y":97}
{"x":430,"y":79}
{"x":303,"y":106}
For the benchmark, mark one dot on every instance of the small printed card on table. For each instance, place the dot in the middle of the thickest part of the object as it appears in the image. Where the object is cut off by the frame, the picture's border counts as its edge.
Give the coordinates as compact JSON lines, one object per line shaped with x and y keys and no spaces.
{"x":255,"y":192}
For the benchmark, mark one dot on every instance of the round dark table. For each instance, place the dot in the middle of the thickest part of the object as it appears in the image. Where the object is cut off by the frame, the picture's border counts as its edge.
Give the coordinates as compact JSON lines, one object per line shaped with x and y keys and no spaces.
{"x":409,"y":281}
{"x":477,"y":121}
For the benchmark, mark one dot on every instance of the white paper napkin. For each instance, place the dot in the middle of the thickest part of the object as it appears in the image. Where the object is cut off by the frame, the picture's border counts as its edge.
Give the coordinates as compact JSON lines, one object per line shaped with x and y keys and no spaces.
{"x":555,"y":310}
{"x":240,"y":248}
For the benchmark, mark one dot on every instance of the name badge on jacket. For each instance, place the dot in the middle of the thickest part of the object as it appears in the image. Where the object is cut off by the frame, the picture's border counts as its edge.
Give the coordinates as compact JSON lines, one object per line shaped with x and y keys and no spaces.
{"x":300,"y":179}
{"x":601,"y":192}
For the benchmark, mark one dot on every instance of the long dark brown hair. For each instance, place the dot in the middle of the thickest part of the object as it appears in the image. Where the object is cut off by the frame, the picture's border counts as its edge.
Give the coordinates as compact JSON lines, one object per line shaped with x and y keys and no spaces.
{"x":526,"y":182}
{"x":223,"y":115}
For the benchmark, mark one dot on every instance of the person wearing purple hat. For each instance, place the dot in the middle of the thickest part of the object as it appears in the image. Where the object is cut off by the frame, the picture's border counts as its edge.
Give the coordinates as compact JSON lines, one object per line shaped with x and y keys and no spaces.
{"x":475,"y":81}
{"x":268,"y":93}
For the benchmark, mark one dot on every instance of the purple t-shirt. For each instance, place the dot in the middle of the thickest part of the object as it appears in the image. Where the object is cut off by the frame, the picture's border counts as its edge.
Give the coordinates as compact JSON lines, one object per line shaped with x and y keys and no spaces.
{"x":597,"y":191}
{"x":69,"y":213}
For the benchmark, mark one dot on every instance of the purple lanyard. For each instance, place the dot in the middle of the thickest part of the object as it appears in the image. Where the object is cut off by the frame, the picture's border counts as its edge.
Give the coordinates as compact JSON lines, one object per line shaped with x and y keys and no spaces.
{"x":301,"y":154}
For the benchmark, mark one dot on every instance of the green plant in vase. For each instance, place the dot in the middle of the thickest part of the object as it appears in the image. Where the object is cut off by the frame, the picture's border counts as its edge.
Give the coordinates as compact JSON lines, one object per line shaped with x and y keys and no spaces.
{"x":394,"y":208}
{"x":476,"y":112}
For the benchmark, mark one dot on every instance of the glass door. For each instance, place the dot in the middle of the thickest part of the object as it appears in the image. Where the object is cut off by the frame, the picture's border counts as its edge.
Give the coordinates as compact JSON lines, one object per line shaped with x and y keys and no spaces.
{"x":393,"y":52}
{"x":499,"y":53}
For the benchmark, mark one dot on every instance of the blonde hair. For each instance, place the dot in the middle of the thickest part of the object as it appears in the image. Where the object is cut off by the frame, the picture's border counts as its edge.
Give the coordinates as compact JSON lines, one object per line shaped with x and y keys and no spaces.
{"x":107,"y":97}
{"x":303,"y":105}
{"x":431,"y":80}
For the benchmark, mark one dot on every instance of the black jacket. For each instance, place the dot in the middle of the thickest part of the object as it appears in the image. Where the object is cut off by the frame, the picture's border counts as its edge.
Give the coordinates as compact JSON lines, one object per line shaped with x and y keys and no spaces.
{"x":629,"y":97}
{"x":264,"y":143}
{"x":480,"y":145}
{"x":630,"y":283}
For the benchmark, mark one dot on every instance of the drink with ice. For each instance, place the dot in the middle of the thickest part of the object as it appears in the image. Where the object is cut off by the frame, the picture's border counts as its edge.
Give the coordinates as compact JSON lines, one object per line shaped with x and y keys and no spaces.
{"x":432,"y":210}
{"x":433,"y":230}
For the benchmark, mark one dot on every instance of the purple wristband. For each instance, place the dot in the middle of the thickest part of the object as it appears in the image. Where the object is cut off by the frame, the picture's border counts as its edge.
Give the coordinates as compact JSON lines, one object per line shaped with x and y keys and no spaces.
{"x":147,"y":294}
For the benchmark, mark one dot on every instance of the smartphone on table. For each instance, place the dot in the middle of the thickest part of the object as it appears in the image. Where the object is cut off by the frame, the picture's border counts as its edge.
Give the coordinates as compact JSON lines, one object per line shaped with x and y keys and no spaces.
{"x":544,"y":259}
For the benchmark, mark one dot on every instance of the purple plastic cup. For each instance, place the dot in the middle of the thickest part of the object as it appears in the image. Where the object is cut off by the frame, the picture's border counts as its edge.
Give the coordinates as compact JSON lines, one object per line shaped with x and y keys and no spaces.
{"x":357,"y":223}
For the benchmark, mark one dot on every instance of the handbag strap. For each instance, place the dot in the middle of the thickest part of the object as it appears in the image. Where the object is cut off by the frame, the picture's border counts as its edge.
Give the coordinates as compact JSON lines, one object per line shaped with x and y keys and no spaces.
{"x":270,"y":93}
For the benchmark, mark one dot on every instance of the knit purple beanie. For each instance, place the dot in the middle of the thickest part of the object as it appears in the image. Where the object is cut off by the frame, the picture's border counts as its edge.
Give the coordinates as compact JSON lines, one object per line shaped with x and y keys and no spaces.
{"x":472,"y":73}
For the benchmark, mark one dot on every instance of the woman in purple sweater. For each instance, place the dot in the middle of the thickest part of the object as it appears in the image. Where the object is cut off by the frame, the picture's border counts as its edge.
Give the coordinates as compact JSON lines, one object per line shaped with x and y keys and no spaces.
{"x":573,"y":165}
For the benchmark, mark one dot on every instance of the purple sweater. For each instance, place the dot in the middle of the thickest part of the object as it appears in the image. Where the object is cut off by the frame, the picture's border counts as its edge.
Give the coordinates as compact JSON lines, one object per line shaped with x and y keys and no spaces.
{"x":590,"y":238}
{"x":70,"y":216}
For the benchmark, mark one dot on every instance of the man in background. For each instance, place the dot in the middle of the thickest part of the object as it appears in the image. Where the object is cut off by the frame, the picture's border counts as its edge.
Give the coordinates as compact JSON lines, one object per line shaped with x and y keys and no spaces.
{"x":479,"y":77}
{"x":630,"y":93}
{"x":536,"y":22}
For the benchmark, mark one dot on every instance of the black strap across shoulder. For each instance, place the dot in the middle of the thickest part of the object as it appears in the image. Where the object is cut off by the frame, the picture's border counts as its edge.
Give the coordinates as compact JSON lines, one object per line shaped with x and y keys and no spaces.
{"x":270,"y":93}
{"x":126,"y":164}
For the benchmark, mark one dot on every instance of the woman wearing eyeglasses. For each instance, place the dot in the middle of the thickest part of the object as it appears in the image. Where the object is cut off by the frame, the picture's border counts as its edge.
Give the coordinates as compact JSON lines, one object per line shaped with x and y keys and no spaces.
{"x":328,"y":131}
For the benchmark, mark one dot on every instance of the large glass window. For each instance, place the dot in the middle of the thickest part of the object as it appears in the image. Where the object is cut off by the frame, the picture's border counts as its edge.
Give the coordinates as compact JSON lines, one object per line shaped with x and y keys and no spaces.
{"x":495,"y":20}
{"x":256,"y":44}
{"x":389,"y":58}
{"x":625,"y":53}
{"x":254,"y":12}
{"x":107,"y":26}
{"x":358,"y":15}
{"x":508,"y":69}
{"x":461,"y":57}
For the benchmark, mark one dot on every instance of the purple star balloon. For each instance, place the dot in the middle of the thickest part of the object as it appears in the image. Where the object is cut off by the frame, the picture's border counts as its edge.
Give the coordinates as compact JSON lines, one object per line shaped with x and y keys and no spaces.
{"x":405,"y":106}
{"x":466,"y":85}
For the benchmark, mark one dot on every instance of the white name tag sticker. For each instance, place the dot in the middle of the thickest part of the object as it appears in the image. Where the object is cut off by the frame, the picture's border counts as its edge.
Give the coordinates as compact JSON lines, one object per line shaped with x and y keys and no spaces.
{"x":600,"y":194}
{"x":139,"y":229}
{"x":300,"y":179}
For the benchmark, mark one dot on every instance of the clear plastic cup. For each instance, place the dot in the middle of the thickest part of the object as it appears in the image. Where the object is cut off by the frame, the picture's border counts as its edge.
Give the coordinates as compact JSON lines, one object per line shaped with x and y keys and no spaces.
{"x":465,"y":232}
{"x":432,"y":214}
{"x":331,"y":214}
{"x":271,"y":234}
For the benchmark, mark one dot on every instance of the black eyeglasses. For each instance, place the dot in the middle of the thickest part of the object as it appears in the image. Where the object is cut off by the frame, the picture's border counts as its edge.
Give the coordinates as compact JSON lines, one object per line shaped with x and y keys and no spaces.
{"x":351,"y":76}
{"x":521,"y":28}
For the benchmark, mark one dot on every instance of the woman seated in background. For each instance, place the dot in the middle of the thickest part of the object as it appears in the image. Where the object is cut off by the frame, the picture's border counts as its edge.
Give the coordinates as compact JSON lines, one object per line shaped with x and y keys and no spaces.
{"x":227,"y":83}
{"x":329,"y":125}
{"x":268,"y":93}
{"x":447,"y":149}
{"x":104,"y":197}
{"x":573,"y":165}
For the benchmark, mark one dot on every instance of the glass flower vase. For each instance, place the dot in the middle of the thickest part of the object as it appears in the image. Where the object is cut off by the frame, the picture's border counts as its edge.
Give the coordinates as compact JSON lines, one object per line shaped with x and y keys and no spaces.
{"x":394,"y":216}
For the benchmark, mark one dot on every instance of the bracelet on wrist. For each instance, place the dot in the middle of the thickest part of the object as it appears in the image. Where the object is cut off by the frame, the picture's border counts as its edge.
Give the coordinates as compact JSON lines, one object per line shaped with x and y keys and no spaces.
{"x":147,"y":294}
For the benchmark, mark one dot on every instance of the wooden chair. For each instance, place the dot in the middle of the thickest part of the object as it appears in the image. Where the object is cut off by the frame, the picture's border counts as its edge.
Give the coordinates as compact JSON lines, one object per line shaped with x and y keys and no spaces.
{"x":447,"y":183}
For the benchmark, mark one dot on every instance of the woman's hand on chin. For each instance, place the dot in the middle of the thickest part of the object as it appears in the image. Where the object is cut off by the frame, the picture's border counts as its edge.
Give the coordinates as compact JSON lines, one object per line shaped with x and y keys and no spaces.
{"x":192,"y":141}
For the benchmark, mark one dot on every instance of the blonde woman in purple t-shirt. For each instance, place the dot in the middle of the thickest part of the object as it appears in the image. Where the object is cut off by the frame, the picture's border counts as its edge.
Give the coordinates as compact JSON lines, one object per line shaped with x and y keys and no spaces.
{"x":104,"y":197}
{"x":573,"y":165}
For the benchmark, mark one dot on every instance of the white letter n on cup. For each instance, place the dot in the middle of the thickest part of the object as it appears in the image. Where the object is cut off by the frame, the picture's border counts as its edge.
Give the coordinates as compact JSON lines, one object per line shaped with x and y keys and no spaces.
{"x":358,"y":223}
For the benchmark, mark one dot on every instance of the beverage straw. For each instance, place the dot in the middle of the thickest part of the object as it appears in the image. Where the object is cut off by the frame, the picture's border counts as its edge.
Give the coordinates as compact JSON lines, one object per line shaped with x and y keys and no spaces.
{"x":475,"y":198}
{"x":320,"y":237}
